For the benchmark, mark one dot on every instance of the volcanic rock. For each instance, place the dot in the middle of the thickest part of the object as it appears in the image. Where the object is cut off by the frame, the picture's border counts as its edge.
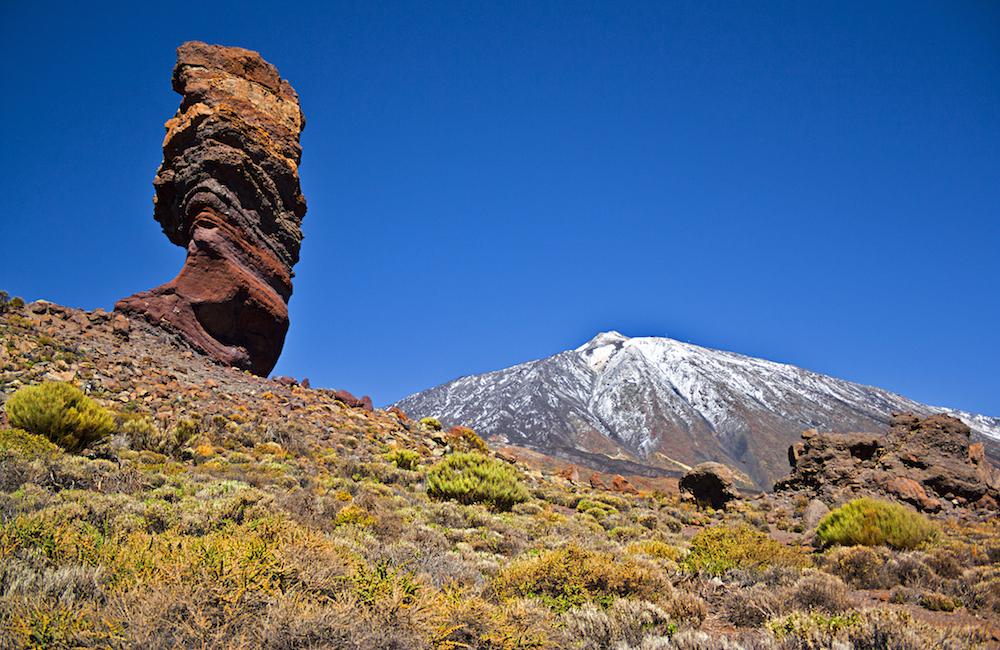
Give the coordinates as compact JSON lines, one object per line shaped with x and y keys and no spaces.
{"x":927,"y":462}
{"x":621,"y":484}
{"x":710,"y":483}
{"x":228,"y":191}
{"x":351,"y":401}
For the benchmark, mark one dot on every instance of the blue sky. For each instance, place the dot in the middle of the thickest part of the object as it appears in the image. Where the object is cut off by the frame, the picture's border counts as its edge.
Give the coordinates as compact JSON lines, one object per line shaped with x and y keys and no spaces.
{"x":816,"y":183}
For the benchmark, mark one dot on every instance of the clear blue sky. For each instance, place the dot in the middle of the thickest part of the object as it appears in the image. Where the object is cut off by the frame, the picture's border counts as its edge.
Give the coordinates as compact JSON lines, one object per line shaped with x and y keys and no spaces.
{"x":811,"y":182}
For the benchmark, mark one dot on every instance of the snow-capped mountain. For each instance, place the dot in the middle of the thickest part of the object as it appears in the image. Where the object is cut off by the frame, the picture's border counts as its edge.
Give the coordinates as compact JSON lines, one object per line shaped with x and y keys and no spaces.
{"x":657,"y":406}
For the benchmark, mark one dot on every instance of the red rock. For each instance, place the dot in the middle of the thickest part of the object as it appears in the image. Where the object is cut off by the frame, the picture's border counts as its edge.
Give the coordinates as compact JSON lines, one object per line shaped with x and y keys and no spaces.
{"x":285,"y":380}
{"x":228,"y":191}
{"x":621,"y":484}
{"x":596,"y":482}
{"x":570,"y":473}
{"x":909,"y":490}
{"x":351,"y":401}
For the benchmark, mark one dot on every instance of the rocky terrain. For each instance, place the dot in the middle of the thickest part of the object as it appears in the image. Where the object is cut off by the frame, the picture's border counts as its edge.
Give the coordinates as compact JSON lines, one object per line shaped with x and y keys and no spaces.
{"x":230,"y":510}
{"x":656,"y":406}
{"x":927,"y":462}
{"x":228,"y":191}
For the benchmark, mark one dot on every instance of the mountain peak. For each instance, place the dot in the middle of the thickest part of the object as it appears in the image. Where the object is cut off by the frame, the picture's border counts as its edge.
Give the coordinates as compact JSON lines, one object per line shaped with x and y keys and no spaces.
{"x":598,"y":350}
{"x":611,"y":337}
{"x":666,"y":405}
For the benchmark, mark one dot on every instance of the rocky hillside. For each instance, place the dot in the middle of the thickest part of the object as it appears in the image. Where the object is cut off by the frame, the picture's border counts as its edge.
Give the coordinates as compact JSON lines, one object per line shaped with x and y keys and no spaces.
{"x":232,"y":511}
{"x":656,"y":405}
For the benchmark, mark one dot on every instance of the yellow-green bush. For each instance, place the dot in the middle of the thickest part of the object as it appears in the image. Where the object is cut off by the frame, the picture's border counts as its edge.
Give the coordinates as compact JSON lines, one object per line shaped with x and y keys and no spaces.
{"x":474,"y":478}
{"x":656,"y":549}
{"x":596,"y":509}
{"x":869,"y":522}
{"x":27,"y":445}
{"x":61,"y":413}
{"x":404,"y":459}
{"x":431,"y":423}
{"x":719,"y":549}
{"x":570,"y":576}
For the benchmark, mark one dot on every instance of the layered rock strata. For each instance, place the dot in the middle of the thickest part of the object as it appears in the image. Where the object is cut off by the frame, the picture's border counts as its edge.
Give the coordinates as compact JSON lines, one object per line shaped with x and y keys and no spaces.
{"x":228,"y":191}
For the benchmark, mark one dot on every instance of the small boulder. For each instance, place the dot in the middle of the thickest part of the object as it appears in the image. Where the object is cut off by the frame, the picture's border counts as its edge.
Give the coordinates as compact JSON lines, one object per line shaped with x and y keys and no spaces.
{"x":814,"y":512}
{"x":912,"y":492}
{"x":710,"y":484}
{"x":621,"y":484}
{"x":351,"y":401}
{"x":570,"y":473}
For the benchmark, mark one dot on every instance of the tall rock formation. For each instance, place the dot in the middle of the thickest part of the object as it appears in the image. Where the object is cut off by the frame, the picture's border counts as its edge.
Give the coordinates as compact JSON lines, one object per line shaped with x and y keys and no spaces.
{"x":228,"y":191}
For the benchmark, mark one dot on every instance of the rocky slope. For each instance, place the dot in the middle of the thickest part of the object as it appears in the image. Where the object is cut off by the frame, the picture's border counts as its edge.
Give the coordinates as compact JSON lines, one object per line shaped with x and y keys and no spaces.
{"x":656,"y":405}
{"x":228,"y":191}
{"x":227,"y":510}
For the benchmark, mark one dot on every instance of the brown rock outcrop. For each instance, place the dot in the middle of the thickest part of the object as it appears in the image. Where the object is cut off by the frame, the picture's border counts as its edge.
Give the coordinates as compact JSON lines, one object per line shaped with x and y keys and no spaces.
{"x":927,"y":462}
{"x":228,"y":191}
{"x":710,"y":484}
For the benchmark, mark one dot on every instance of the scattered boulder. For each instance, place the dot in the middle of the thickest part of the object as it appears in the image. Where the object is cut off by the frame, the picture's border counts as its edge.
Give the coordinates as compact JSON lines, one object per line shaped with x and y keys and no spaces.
{"x":596,"y":482}
{"x":927,"y":462}
{"x":621,"y":484}
{"x":571,"y":473}
{"x":351,"y":401}
{"x":710,"y":483}
{"x":228,"y":191}
{"x":814,"y":512}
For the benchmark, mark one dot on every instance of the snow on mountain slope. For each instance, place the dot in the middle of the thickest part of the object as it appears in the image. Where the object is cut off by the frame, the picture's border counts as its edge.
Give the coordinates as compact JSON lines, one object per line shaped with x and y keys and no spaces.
{"x":665,"y":405}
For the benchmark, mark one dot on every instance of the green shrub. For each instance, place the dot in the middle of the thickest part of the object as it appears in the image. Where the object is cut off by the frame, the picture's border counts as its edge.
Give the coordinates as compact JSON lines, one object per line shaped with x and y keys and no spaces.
{"x":404,"y":459}
{"x":61,"y":413}
{"x":474,"y":478}
{"x":28,"y":445}
{"x":596,"y":509}
{"x":570,"y":576}
{"x":431,"y":423}
{"x":719,"y":549}
{"x":869,"y":522}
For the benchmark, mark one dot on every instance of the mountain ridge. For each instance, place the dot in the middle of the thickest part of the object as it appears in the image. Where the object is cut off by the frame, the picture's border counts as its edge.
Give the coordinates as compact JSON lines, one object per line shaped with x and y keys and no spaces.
{"x":667,"y":404}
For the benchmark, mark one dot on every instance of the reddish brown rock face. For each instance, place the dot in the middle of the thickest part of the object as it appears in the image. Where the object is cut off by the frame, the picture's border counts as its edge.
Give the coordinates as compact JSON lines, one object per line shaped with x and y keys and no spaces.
{"x":228,"y":191}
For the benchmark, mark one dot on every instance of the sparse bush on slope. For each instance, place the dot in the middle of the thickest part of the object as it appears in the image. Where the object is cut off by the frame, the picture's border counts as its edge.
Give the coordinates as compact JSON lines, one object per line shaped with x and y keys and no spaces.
{"x":474,"y":478}
{"x":61,"y":413}
{"x":571,"y":576}
{"x":719,"y":549}
{"x":869,"y":522}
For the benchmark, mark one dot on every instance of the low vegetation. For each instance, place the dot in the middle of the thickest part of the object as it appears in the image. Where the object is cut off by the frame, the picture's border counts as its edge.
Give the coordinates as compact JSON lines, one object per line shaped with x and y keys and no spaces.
{"x":475,"y":478}
{"x":571,"y":576}
{"x":223,"y":510}
{"x":60,"y":412}
{"x":870,"y":522}
{"x":719,"y":549}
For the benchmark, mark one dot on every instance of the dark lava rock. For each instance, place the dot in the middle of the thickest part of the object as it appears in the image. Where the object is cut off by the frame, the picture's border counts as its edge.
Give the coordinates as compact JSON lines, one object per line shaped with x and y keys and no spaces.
{"x":228,"y":191}
{"x":710,"y":484}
